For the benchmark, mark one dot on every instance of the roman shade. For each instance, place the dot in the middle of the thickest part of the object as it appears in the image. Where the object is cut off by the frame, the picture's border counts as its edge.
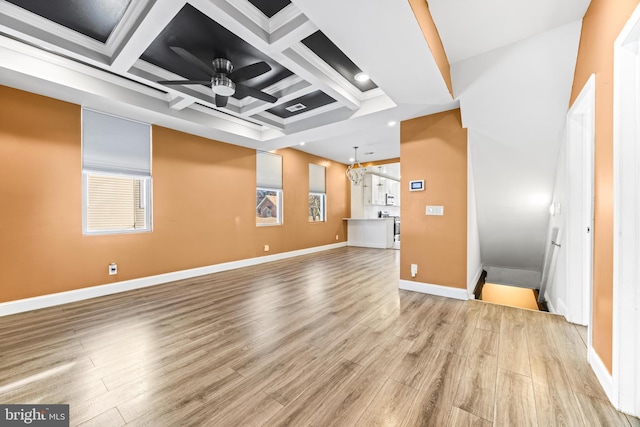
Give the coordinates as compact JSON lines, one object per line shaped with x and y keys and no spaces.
{"x":269,"y":170}
{"x":115,"y":145}
{"x":316,"y":179}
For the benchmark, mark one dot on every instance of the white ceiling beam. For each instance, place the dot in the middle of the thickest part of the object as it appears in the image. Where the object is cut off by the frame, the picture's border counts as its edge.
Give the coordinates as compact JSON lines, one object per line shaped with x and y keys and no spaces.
{"x":153,"y":23}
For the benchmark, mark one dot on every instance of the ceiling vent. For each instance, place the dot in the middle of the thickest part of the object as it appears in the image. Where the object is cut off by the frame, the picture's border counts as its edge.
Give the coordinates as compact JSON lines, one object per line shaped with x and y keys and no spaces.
{"x":295,"y":107}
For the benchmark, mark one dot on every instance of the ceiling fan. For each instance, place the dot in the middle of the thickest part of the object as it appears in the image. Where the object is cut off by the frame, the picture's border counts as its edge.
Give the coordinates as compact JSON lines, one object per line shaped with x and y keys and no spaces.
{"x":225,"y":81}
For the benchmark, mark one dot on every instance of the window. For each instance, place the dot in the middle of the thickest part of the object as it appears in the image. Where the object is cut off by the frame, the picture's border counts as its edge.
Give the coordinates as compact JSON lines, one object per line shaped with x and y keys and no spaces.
{"x":317,"y":193}
{"x":116,"y":170}
{"x":269,"y":189}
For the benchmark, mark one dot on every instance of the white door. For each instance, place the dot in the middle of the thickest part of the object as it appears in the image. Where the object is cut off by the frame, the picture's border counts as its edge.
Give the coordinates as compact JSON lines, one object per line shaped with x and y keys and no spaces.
{"x":626,"y":223}
{"x":579,"y":226}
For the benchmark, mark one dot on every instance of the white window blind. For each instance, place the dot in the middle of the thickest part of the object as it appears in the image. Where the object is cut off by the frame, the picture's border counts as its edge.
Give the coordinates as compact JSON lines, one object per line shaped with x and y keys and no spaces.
{"x":115,"y":145}
{"x":114,"y":203}
{"x":316,"y":179}
{"x":269,"y":170}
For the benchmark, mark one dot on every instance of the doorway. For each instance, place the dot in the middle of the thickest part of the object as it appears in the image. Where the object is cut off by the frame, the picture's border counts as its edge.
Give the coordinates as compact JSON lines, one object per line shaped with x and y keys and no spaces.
{"x":579,"y":223}
{"x":626,"y":223}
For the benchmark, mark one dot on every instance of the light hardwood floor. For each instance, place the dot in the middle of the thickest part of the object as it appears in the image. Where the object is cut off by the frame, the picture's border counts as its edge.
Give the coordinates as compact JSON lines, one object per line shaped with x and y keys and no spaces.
{"x":319,"y":340}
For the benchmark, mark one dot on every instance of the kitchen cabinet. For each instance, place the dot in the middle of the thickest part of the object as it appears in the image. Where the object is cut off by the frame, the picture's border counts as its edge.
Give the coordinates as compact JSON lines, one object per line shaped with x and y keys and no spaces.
{"x":376,"y":188}
{"x":370,"y":233}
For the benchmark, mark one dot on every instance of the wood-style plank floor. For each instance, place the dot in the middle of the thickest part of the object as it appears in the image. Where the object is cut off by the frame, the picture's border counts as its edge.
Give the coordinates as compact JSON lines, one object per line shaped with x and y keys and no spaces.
{"x":318,"y":340}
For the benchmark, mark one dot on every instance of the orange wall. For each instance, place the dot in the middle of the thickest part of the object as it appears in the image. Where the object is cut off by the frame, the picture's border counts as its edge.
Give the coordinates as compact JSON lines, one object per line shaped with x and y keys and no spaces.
{"x":425,"y":20}
{"x":434,"y":148}
{"x":601,"y":25}
{"x":203,"y":204}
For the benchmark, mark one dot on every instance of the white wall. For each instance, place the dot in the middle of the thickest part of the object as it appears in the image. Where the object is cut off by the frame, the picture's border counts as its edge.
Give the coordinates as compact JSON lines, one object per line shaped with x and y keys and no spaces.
{"x":514,"y":102}
{"x":556,"y":288}
{"x":474,"y":261}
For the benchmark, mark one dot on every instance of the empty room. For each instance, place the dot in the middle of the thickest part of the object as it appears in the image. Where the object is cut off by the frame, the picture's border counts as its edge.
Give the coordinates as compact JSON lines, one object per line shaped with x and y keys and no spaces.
{"x":302,"y":213}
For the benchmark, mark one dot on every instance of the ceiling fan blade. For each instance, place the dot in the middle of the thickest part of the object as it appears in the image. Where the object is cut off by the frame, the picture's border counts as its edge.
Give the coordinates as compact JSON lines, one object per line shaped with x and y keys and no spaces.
{"x":221,"y":101}
{"x":242,"y":91}
{"x":185,"y":82}
{"x":250,"y":71}
{"x":193,"y":60}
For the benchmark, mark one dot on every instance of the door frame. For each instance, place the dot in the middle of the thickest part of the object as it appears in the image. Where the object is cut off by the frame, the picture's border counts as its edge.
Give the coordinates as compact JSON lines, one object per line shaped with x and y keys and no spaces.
{"x":579,"y":195}
{"x":626,"y":222}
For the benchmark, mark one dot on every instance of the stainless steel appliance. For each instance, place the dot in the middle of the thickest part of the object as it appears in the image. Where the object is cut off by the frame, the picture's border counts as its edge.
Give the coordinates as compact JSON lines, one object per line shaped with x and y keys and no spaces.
{"x":396,"y":228}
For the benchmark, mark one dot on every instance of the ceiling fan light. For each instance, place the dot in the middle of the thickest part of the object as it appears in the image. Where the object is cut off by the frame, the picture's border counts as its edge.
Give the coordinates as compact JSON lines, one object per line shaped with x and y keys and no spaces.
{"x":222,"y":85}
{"x":222,"y":65}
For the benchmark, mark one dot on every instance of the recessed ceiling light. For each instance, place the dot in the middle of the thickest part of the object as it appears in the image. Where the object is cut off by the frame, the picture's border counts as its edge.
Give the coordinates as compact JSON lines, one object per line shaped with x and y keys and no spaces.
{"x":302,"y":143}
{"x":361,"y":77}
{"x":351,"y":159}
{"x":392,"y":123}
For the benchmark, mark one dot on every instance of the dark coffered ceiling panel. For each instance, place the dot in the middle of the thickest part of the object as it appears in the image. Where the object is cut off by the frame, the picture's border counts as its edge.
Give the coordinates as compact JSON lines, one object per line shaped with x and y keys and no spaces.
{"x":153,"y":60}
{"x":270,"y":7}
{"x":93,"y":18}
{"x":332,"y":55}
{"x":206,"y":39}
{"x":310,"y":101}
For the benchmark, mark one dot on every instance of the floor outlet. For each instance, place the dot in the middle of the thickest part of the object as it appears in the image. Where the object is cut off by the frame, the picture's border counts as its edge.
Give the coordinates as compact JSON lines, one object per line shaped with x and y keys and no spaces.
{"x":113,"y":269}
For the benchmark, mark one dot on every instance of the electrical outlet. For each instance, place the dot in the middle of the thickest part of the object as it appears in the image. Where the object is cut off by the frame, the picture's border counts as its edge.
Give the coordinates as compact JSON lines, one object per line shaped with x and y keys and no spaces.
{"x":266,"y":248}
{"x":414,"y":270}
{"x":113,"y":269}
{"x":337,"y":237}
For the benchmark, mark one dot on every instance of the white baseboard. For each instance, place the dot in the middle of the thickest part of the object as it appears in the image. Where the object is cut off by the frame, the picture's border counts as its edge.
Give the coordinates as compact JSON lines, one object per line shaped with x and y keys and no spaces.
{"x":427,"y":288}
{"x":550,"y":306}
{"x":368,"y":245}
{"x":603,"y":375}
{"x":471,"y":286}
{"x":44,"y":301}
{"x":561,"y":309}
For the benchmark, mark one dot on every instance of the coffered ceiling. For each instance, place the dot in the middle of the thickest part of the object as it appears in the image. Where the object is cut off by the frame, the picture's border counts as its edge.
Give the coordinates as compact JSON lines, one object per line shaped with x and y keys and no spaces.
{"x":117,"y":56}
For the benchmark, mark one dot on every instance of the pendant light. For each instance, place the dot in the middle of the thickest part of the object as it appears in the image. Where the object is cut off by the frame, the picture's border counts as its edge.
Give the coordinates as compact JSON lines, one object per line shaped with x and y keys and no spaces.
{"x":355,"y":171}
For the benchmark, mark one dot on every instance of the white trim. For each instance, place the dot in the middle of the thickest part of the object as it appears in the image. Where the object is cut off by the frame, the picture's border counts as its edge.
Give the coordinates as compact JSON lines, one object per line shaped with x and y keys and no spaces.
{"x":626,"y":226}
{"x":550,"y":306}
{"x":603,"y":375}
{"x":579,"y":206}
{"x":35,"y":303}
{"x":471,"y":286}
{"x":562,"y":307}
{"x":280,"y":19}
{"x":369,"y":245}
{"x":428,"y":288}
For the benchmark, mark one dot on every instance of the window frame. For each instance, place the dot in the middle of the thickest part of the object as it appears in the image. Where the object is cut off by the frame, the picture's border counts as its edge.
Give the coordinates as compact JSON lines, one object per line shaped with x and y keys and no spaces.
{"x":323,"y":208}
{"x":145,"y":190}
{"x":280,"y":207}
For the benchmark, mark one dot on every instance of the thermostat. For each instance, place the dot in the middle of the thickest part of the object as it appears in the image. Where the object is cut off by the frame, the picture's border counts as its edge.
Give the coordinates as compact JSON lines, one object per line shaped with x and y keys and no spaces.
{"x":417,"y":185}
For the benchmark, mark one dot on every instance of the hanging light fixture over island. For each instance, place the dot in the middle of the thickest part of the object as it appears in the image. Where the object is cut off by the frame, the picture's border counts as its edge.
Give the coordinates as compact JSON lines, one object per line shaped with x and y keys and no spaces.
{"x":355,"y":171}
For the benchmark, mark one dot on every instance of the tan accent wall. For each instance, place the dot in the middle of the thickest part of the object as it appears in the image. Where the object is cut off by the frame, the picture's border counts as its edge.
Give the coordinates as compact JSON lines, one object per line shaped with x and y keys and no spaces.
{"x":431,"y":35}
{"x":601,"y":25}
{"x":434,"y":148}
{"x":203,"y":204}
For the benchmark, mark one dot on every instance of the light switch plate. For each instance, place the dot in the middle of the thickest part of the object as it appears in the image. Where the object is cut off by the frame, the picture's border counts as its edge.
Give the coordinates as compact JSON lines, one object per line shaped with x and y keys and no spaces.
{"x":435,"y":210}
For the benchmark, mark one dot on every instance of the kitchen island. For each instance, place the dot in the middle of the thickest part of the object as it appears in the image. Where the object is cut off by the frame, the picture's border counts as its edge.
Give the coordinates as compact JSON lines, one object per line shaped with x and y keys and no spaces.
{"x":370,"y":233}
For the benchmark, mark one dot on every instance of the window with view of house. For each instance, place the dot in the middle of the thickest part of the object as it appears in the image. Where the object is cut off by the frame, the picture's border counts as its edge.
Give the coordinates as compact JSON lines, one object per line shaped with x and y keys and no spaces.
{"x":116,"y":174}
{"x":268,"y":188}
{"x":317,"y":193}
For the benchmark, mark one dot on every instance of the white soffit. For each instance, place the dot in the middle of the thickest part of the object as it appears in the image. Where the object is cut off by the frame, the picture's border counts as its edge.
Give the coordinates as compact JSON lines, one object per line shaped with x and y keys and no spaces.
{"x":385,"y":40}
{"x":469,"y":28}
